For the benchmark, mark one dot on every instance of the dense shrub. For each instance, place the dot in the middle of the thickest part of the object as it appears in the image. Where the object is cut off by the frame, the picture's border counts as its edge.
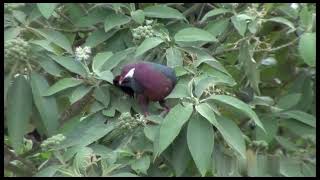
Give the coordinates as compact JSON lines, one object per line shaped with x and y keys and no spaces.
{"x":244,"y":104}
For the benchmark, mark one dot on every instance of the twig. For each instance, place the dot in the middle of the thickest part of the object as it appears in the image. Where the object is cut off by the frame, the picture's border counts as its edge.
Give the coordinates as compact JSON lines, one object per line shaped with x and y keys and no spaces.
{"x":191,"y":9}
{"x":27,"y":163}
{"x":173,"y":4}
{"x":64,"y":16}
{"x":210,"y":5}
{"x":259,"y":50}
{"x":201,"y":10}
{"x":187,"y":12}
{"x":224,"y":51}
{"x":63,"y":30}
{"x":83,"y":8}
{"x":277,"y":48}
{"x":17,"y":170}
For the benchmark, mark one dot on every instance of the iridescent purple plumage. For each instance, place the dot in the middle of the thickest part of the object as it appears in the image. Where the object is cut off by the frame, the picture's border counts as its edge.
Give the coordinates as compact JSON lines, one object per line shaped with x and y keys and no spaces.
{"x":148,"y":81}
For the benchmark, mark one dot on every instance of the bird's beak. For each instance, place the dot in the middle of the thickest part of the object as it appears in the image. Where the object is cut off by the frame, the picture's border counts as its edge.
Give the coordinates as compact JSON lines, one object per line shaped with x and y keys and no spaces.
{"x":120,"y":80}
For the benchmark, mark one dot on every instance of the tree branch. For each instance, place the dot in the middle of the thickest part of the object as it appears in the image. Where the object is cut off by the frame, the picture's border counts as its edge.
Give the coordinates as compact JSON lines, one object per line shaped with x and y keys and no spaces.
{"x":277,"y":48}
{"x":14,"y":156}
{"x":259,"y":50}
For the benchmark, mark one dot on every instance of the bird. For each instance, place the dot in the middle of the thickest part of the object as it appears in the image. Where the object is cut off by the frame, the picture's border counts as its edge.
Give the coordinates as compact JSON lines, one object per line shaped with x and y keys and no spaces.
{"x":147,"y":81}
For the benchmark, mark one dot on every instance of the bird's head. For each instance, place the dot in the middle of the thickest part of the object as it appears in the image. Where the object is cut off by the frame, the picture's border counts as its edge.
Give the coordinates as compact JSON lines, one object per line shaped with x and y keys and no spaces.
{"x":124,"y":80}
{"x":125,"y":76}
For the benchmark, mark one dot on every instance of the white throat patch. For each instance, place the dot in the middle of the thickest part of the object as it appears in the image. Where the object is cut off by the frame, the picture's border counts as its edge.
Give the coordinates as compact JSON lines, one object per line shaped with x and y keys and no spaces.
{"x":130,"y":73}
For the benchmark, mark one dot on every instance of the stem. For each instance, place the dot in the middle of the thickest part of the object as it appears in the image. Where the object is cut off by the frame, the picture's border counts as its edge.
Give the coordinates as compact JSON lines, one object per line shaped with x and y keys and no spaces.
{"x":29,"y":66}
{"x":59,"y":157}
{"x":13,"y":69}
{"x":83,"y":8}
{"x":24,"y":161}
{"x":277,"y":48}
{"x":20,"y":171}
{"x":259,"y":50}
{"x":201,"y":10}
{"x":187,"y":12}
{"x":64,"y":16}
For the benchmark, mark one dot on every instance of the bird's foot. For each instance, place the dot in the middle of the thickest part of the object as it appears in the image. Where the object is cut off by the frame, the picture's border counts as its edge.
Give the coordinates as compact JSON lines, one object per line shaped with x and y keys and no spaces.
{"x":145,"y":114}
{"x":164,"y":112}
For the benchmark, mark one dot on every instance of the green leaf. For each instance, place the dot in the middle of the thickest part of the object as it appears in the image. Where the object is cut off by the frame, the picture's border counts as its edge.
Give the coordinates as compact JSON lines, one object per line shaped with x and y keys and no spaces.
{"x":174,"y":57}
{"x":138,"y":16}
{"x":150,"y":131}
{"x":46,"y":9}
{"x":148,"y":44}
{"x":97,"y":15}
{"x":288,"y":101}
{"x":101,"y":150}
{"x":217,"y":27}
{"x":20,"y":16}
{"x":172,"y":124}
{"x":56,"y":37}
{"x":239,"y":24}
{"x":305,"y":17}
{"x":79,"y":93}
{"x":200,"y":139}
{"x":11,"y":33}
{"x":253,"y":26}
{"x":109,"y":112}
{"x":249,"y":66}
{"x":124,"y":174}
{"x":179,"y":91}
{"x":215,"y":12}
{"x":7,"y":84}
{"x":283,"y":21}
{"x":180,"y":71}
{"x":62,"y":84}
{"x":300,"y":116}
{"x":45,"y":44}
{"x":232,"y":135}
{"x":115,"y":20}
{"x":116,"y":58}
{"x":205,"y":57}
{"x":290,"y":167}
{"x":219,"y":76}
{"x":102,"y":95}
{"x":309,"y":170}
{"x":160,"y":11}
{"x":19,"y":109}
{"x":238,"y":104}
{"x":298,"y":128}
{"x":97,"y":37}
{"x":206,"y":111}
{"x":225,"y":163}
{"x":49,"y":171}
{"x":107,"y":76}
{"x":47,"y":106}
{"x":193,"y":34}
{"x":50,"y":67}
{"x":284,"y":142}
{"x":204,"y":81}
{"x":307,"y":48}
{"x":99,"y":60}
{"x":181,"y":155}
{"x":87,"y":131}
{"x":141,"y":165}
{"x":271,"y":126}
{"x":82,"y":159}
{"x":71,"y":64}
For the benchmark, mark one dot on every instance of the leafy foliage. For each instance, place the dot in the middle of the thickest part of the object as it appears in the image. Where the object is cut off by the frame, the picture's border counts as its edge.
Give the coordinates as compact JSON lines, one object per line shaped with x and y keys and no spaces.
{"x":244,"y":103}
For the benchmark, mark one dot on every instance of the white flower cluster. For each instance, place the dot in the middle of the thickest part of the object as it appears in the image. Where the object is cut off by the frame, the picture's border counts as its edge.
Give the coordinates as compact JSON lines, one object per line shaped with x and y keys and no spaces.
{"x":83,"y":53}
{"x":294,"y":5}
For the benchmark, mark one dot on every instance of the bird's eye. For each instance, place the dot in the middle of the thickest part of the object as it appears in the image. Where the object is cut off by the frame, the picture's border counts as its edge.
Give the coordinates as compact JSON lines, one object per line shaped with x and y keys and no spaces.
{"x":126,"y":80}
